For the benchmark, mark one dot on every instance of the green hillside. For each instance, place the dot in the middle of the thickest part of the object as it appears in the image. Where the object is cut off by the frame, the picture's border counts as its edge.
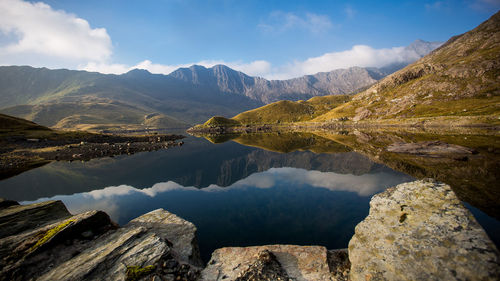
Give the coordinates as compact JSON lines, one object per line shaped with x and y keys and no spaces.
{"x":290,"y":111}
{"x":71,"y":99}
{"x":461,"y":78}
{"x":13,"y":124}
{"x":455,"y":85}
{"x":94,"y":114}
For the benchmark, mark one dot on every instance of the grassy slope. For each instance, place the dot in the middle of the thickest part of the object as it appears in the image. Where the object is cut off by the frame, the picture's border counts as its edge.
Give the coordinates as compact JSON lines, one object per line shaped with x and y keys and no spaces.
{"x":79,"y":99}
{"x":93,"y":113}
{"x":289,"y":111}
{"x":461,"y":78}
{"x":12,"y":124}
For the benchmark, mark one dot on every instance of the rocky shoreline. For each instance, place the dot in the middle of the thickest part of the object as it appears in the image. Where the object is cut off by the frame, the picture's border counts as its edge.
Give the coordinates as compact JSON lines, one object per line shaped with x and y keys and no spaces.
{"x":414,"y":231}
{"x":20,"y":153}
{"x":440,"y":123}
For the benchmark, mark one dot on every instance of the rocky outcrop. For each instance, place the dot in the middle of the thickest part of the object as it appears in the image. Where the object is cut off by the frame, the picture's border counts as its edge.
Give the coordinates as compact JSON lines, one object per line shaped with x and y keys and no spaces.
{"x":181,"y":233}
{"x":17,"y":218}
{"x":414,"y":231}
{"x":89,"y":246}
{"x":296,"y":262}
{"x":38,"y":249}
{"x":421,"y":231}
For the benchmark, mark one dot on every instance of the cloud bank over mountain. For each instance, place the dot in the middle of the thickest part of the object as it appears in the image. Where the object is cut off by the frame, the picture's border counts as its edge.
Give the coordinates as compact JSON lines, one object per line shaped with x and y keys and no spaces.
{"x":36,"y":34}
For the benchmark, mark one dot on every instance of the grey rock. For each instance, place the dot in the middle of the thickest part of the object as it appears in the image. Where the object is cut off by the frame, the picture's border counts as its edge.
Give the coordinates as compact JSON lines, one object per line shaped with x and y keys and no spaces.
{"x":265,"y":267}
{"x":17,"y":218}
{"x":157,"y":244}
{"x":181,"y":233}
{"x":33,"y":252}
{"x":299,"y":262}
{"x":421,"y":231}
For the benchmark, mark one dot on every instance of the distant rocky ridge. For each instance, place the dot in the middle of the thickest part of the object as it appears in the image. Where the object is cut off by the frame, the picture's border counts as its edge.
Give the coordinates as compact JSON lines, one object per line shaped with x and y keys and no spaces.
{"x":417,"y":230}
{"x":335,"y":82}
{"x":69,"y":99}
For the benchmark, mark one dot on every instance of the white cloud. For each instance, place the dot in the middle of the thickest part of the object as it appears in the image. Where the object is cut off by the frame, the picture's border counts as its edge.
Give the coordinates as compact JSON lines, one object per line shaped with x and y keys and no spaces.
{"x":37,"y":35}
{"x":110,"y":199}
{"x":106,"y":68}
{"x":279,"y":21}
{"x":35,"y":29}
{"x":358,"y":55}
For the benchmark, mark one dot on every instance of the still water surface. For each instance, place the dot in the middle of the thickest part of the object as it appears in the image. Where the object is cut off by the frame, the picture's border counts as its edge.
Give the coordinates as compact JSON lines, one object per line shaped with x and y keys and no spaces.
{"x":236,"y":195}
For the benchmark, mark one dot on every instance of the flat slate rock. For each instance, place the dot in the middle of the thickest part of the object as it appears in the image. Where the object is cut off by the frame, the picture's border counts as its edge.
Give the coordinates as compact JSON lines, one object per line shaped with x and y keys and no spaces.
{"x":154,"y":246}
{"x":421,"y":231}
{"x":29,"y":254}
{"x":181,"y":233}
{"x":18,"y":218}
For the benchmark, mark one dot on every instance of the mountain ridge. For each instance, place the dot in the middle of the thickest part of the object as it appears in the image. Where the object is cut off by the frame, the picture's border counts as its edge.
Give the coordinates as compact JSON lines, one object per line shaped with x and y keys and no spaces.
{"x":457,"y":84}
{"x":90,"y":100}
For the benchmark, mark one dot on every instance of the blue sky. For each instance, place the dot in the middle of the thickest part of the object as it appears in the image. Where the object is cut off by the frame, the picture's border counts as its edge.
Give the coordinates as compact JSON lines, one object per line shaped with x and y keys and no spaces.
{"x":274,"y":39}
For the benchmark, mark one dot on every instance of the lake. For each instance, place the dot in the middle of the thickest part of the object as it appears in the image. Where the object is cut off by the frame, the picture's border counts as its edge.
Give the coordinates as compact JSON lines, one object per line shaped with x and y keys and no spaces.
{"x":294,"y":188}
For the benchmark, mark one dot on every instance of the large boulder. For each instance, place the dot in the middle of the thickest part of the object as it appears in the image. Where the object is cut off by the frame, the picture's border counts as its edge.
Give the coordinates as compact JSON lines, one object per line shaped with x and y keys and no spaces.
{"x":421,"y":231}
{"x":58,"y":246}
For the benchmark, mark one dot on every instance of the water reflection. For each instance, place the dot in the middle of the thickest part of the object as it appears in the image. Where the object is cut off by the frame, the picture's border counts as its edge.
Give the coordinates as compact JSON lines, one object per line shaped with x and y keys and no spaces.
{"x":280,"y":205}
{"x":298,"y":188}
{"x":199,"y":163}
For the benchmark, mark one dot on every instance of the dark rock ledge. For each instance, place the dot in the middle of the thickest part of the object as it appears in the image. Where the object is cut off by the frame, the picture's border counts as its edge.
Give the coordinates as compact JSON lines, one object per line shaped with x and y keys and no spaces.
{"x":414,"y":231}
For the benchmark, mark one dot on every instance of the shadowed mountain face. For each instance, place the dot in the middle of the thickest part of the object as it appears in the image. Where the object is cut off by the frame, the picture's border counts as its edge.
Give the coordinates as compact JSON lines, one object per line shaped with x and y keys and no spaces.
{"x":138,"y":99}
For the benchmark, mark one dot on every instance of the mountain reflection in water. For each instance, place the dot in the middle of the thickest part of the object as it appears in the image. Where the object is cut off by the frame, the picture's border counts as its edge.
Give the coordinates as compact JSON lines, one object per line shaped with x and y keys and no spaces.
{"x":280,"y":205}
{"x":287,"y":188}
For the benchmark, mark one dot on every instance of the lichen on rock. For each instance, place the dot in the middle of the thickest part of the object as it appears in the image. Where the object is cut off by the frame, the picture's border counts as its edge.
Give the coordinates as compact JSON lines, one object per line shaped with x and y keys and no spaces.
{"x":49,"y":234}
{"x":136,"y":272}
{"x":421,"y":231}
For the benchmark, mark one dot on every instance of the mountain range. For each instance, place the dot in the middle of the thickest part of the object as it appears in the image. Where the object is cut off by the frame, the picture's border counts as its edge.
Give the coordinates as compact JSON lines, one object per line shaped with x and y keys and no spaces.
{"x":457,"y":84}
{"x":139,"y":99}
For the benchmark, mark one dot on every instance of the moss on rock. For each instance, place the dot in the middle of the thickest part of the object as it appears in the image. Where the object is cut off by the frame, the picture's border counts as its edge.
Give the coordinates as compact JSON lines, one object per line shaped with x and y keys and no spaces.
{"x":136,"y":272}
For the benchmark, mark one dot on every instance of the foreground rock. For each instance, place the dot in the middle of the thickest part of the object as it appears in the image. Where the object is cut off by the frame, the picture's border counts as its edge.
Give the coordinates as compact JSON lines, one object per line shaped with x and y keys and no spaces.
{"x":15,"y":218}
{"x":181,"y":233}
{"x":414,"y":231}
{"x":291,"y":263}
{"x":421,"y":231}
{"x":58,"y":246}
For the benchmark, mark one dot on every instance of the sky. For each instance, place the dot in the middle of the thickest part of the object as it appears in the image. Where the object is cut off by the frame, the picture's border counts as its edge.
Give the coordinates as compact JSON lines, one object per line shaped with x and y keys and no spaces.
{"x":271,"y":39}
